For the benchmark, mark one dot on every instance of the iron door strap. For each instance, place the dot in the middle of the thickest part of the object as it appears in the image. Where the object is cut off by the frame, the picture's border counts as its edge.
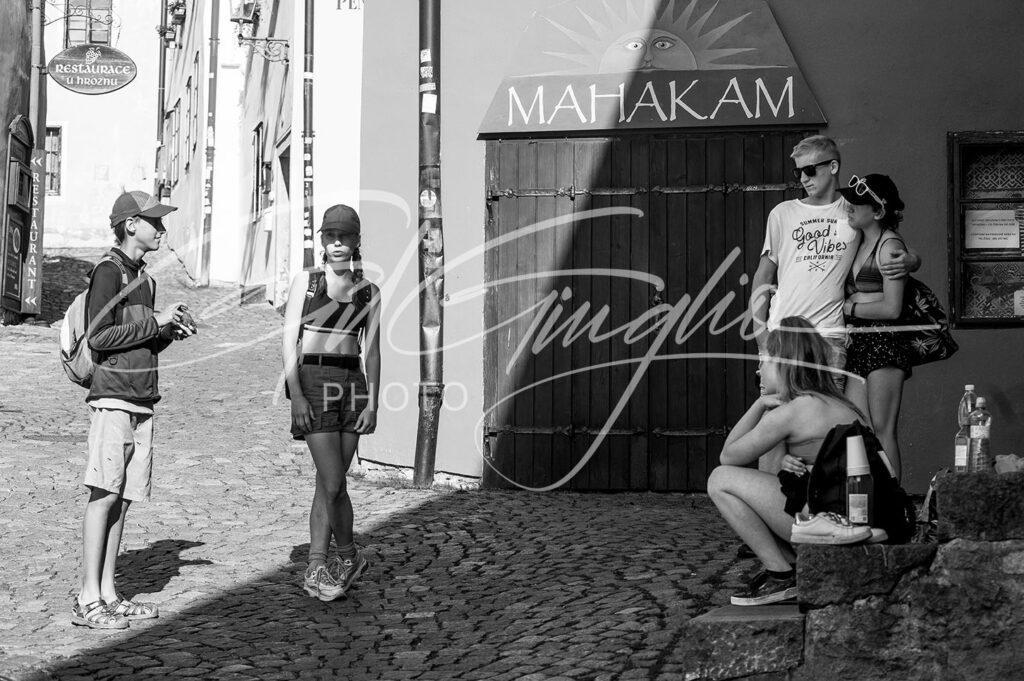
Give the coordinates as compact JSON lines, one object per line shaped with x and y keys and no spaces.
{"x":571,"y":431}
{"x":571,"y":192}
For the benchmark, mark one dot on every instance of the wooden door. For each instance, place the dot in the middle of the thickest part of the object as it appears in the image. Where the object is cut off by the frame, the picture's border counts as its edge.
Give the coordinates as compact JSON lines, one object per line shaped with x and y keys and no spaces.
{"x":560,"y":385}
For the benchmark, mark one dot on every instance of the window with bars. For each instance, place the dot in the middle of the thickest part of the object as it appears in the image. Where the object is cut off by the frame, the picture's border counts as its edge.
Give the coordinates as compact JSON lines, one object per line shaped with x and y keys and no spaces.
{"x":53,"y":151}
{"x":87,"y":21}
{"x":173,"y":140}
{"x":188,"y":118}
{"x":194,"y":118}
{"x":257,"y":171}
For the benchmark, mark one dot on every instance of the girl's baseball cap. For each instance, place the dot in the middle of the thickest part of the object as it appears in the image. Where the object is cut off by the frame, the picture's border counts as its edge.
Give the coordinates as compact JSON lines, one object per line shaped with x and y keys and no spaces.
{"x":342,"y":218}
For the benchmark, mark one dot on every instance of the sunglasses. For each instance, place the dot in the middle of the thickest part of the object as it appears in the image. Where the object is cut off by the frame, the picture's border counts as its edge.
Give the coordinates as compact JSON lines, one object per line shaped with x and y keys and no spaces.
{"x":860,"y":187}
{"x":811,"y":170}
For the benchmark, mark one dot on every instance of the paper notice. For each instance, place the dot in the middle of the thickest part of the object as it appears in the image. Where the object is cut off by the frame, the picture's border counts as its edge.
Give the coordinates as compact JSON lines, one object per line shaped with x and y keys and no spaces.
{"x":991,"y":229}
{"x":1018,"y":303}
{"x":429,"y":103}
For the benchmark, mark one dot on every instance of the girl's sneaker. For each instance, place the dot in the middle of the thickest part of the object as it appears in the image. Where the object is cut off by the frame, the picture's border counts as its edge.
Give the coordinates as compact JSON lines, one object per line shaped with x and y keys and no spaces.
{"x":345,"y":571}
{"x":827,"y":528}
{"x":319,"y":583}
{"x":765,"y":588}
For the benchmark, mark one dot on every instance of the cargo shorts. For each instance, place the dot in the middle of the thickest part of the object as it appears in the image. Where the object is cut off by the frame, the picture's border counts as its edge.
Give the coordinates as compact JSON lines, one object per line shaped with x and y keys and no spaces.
{"x":120,"y":456}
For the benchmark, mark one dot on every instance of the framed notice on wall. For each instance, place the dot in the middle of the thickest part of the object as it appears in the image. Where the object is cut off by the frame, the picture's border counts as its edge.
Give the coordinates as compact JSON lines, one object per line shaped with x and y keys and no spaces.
{"x":986,"y":228}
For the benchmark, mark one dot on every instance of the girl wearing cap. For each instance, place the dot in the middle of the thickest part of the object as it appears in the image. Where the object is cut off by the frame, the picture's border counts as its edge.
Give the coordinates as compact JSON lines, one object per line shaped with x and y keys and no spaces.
{"x":329,"y":311}
{"x":873,"y":303}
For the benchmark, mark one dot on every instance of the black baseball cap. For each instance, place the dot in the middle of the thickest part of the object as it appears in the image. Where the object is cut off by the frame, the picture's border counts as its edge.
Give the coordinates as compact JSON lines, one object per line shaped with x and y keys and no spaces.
{"x":884,"y":189}
{"x":138,"y":204}
{"x":342,"y":218}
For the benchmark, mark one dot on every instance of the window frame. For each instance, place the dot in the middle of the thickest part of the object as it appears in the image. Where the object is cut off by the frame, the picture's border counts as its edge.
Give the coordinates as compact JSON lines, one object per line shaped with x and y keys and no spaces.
{"x":91,"y":24}
{"x":960,"y":148}
{"x":54,"y":158}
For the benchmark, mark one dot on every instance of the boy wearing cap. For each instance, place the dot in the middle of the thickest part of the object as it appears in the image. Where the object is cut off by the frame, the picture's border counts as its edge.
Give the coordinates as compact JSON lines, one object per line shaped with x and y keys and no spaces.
{"x":808,"y":251}
{"x":125,"y":335}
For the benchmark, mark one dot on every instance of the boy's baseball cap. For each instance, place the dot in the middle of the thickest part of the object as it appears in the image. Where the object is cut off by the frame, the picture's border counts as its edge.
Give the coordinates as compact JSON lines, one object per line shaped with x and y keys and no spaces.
{"x":342,"y":218}
{"x":138,"y":203}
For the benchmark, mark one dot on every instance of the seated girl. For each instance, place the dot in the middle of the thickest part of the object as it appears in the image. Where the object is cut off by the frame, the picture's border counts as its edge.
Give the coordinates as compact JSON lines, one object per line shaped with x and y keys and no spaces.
{"x":801,"y":406}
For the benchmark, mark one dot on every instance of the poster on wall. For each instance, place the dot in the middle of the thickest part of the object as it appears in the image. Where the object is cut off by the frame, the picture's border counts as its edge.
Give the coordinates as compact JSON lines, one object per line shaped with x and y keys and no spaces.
{"x":992,"y":229}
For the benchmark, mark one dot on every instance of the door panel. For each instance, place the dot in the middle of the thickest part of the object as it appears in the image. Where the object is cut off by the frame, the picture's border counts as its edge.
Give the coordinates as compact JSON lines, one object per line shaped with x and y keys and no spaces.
{"x":701,"y":196}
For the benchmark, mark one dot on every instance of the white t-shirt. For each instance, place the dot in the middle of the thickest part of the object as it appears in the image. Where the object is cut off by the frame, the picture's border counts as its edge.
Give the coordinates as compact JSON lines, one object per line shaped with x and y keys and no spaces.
{"x":814,"y":248}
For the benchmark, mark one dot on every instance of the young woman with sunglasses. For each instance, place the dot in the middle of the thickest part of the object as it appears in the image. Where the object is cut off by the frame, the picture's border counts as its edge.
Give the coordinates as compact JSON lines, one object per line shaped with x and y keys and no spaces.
{"x":873,"y":304}
{"x":328,"y":311}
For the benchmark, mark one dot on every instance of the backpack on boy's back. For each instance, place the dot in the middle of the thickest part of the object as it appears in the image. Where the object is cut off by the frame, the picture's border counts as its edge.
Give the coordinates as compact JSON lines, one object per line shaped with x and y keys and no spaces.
{"x":75,"y":354}
{"x":824,"y":489}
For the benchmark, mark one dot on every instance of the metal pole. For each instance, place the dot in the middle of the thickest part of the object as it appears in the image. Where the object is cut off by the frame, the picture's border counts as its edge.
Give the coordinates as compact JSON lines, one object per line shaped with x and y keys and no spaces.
{"x":431,"y":251}
{"x":37,"y":78}
{"x":211,"y":127}
{"x":161,"y":87}
{"x":307,"y":139}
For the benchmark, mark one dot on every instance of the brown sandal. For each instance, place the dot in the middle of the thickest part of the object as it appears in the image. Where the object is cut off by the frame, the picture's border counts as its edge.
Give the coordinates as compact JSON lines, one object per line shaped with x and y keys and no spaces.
{"x":96,"y":615}
{"x":133,"y":610}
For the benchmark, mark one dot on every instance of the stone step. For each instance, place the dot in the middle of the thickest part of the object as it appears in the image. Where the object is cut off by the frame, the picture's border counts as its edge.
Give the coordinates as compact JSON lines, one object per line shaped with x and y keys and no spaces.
{"x":985,"y":506}
{"x":732,"y":642}
{"x":830,"y":575}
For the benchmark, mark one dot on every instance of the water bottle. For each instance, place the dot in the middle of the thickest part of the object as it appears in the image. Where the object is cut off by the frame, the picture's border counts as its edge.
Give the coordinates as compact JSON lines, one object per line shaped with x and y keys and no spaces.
{"x":963,"y":412}
{"x":979,"y":457}
{"x":962,"y":439}
{"x":860,"y":486}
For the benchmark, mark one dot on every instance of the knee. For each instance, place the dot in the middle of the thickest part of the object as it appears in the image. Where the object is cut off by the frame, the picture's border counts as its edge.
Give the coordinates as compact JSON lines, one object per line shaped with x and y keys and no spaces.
{"x":335,"y":491}
{"x":718,"y":481}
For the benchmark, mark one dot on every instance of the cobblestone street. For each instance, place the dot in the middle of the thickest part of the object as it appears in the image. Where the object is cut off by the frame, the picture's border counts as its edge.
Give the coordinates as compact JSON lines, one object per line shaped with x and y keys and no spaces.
{"x":464,"y":585}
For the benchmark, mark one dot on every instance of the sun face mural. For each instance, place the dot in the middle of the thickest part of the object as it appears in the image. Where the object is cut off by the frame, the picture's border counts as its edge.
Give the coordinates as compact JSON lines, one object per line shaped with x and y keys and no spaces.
{"x":615,"y":64}
{"x":658,"y":35}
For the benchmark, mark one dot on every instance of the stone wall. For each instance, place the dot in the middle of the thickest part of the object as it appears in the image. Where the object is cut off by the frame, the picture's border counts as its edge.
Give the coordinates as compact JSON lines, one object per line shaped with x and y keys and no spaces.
{"x":950,"y":611}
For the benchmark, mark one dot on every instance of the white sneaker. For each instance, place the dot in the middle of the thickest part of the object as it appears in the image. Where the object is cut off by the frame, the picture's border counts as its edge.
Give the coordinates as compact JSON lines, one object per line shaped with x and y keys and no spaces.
{"x":320,"y":584}
{"x":827,"y":528}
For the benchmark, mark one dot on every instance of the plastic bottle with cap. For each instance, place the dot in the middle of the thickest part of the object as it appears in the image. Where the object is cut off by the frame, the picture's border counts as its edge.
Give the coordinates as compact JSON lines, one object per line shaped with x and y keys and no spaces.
{"x":860,"y":486}
{"x":961,"y":441}
{"x":979,"y":456}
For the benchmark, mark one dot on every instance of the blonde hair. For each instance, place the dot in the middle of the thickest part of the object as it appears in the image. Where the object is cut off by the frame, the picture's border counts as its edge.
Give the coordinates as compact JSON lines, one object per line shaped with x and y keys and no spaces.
{"x":816,"y":143}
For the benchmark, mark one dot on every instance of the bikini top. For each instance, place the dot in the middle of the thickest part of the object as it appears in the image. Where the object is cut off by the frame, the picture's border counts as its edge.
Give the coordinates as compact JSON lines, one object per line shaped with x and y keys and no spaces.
{"x":322,"y":314}
{"x":869,"y":279}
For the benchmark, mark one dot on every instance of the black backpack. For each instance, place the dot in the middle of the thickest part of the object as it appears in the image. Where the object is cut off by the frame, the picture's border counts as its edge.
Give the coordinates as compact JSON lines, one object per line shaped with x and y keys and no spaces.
{"x":825,"y":488}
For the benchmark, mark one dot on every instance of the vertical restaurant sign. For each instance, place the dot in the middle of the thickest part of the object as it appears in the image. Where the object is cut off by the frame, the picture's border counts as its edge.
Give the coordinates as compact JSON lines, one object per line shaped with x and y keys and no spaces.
{"x":31,"y":273}
{"x":623,"y":64}
{"x":92,"y":69}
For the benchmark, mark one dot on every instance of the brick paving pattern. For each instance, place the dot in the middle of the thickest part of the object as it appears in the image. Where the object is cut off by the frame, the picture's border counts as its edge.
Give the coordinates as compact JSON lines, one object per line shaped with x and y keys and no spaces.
{"x":464,"y":585}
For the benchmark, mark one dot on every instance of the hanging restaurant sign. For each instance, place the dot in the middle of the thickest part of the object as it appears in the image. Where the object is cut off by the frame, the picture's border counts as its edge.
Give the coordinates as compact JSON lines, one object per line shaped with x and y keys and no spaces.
{"x":92,"y":69}
{"x":639,"y":64}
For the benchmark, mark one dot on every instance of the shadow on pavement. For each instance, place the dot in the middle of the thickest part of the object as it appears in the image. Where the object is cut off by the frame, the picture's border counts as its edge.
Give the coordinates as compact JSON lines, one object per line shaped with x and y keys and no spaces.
{"x":467,"y":585}
{"x":150,"y":569}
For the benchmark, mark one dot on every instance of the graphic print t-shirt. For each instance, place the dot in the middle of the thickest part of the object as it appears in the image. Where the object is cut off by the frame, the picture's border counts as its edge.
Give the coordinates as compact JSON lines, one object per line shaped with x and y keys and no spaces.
{"x":814,"y":247}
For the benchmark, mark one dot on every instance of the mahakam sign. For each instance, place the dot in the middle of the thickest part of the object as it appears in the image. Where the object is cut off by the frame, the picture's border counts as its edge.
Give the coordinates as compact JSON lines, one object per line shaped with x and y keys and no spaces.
{"x":92,"y":69}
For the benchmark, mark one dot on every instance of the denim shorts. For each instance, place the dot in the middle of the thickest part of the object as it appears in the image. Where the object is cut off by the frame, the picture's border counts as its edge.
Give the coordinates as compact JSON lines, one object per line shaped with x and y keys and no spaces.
{"x":337,"y":396}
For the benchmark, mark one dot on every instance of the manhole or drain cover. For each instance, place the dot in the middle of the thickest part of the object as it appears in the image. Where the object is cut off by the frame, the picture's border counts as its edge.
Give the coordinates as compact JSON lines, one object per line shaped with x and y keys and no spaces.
{"x":56,"y":438}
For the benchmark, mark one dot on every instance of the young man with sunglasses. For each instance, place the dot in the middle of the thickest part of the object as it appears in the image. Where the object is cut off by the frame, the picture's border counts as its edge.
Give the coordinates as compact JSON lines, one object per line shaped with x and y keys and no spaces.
{"x":809,"y":248}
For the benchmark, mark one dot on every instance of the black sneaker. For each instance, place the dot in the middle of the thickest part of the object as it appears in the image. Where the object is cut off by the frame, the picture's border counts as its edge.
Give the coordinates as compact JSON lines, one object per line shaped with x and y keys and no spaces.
{"x":765,"y":589}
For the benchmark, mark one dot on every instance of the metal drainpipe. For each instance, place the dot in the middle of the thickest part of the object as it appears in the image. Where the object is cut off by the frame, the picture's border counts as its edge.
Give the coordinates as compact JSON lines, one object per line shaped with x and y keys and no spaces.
{"x":307,"y":139}
{"x":431,"y":251}
{"x":211,"y":126}
{"x":37,"y":79}
{"x":160,"y":90}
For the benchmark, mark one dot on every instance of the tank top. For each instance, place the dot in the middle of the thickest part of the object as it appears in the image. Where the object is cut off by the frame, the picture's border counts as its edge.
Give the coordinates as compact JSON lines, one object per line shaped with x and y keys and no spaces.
{"x":326,"y":322}
{"x":869,"y":278}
